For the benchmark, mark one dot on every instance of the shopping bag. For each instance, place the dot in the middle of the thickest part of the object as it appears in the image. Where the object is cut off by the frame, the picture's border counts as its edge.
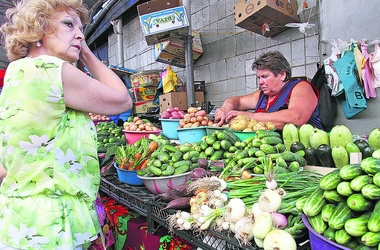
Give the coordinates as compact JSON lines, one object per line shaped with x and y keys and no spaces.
{"x":169,"y":80}
{"x":354,"y":101}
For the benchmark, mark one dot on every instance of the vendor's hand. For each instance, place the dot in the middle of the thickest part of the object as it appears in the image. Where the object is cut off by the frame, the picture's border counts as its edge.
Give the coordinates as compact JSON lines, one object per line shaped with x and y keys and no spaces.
{"x":232,"y":114}
{"x":219,"y":117}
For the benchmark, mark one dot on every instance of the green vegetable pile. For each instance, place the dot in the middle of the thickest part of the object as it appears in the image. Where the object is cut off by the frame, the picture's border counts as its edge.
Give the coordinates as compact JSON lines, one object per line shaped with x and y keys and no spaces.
{"x":109,"y":135}
{"x":346,"y":206}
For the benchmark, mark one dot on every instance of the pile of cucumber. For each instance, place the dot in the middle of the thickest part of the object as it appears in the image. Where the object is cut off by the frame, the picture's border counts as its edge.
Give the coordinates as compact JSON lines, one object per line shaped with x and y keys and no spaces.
{"x":346,"y":206}
{"x":109,"y":135}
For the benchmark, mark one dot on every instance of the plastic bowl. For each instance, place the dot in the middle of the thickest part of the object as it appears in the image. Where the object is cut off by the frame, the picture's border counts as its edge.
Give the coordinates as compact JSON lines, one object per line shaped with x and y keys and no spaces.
{"x":169,"y":128}
{"x":133,"y":136}
{"x":319,"y":242}
{"x":159,"y":185}
{"x":212,"y":129}
{"x":191,"y":135}
{"x":243,"y":135}
{"x":128,"y":176}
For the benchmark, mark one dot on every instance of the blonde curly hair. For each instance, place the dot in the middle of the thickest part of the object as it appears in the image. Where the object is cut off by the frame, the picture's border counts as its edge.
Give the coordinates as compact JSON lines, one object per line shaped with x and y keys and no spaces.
{"x":26,"y":23}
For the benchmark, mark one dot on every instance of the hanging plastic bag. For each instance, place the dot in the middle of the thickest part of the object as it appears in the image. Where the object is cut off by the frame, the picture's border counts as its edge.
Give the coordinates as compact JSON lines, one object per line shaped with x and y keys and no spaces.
{"x":169,"y":80}
{"x":354,"y":101}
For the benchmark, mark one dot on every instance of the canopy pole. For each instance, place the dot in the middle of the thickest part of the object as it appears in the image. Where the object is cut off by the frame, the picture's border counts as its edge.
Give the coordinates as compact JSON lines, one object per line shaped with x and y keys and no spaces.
{"x":189,"y":57}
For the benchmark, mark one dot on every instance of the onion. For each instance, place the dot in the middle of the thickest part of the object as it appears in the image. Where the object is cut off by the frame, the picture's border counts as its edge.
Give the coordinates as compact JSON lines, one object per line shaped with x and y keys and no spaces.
{"x":256,"y":210}
{"x":259,"y":242}
{"x":271,"y":184}
{"x":278,"y":239}
{"x":235,"y":210}
{"x":262,"y":225}
{"x":243,"y":230}
{"x":279,"y":220}
{"x":269,"y":201}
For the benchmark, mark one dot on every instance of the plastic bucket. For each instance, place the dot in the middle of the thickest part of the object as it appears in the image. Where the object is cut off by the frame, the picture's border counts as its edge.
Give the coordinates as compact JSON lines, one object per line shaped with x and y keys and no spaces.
{"x":128,"y":176}
{"x":169,"y":128}
{"x":212,"y":129}
{"x":191,"y":135}
{"x":134,"y":136}
{"x":319,"y":242}
{"x":244,"y":135}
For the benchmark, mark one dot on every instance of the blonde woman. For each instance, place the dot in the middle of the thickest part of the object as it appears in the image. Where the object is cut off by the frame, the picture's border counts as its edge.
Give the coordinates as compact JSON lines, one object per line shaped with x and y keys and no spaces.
{"x":47,"y":140}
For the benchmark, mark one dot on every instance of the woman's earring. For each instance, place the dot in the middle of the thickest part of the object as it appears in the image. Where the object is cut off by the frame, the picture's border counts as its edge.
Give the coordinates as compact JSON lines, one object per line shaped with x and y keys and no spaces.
{"x":38,"y":44}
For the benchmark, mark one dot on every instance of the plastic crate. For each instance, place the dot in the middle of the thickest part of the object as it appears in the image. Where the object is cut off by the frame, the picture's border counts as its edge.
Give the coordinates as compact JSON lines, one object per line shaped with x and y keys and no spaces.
{"x":134,"y":197}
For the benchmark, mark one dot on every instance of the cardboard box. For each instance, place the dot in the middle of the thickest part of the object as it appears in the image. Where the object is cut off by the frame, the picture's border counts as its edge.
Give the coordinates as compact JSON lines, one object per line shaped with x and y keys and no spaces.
{"x":164,"y":25}
{"x":173,"y":51}
{"x":252,"y":14}
{"x":178,"y":99}
{"x":157,"y":5}
{"x":141,"y":94}
{"x":146,"y":107}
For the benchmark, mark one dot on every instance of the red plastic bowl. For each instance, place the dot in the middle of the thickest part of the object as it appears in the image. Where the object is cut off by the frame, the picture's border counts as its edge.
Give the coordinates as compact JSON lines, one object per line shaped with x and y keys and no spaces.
{"x":133,"y":136}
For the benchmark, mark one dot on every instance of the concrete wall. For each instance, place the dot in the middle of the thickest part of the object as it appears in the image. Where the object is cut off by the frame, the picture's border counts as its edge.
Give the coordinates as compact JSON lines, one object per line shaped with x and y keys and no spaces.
{"x":228,"y":52}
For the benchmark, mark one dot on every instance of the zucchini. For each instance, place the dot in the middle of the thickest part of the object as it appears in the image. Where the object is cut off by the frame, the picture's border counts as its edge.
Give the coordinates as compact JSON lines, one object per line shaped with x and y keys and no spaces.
{"x":357,"y":226}
{"x":370,"y":165}
{"x":342,"y":237}
{"x":358,"y":203}
{"x":359,"y":182}
{"x":330,"y":181}
{"x":296,"y":146}
{"x":327,"y":211}
{"x":314,"y":203}
{"x":344,"y":188}
{"x":370,"y":239}
{"x":341,"y":214}
{"x":311,"y":157}
{"x":374,"y":222}
{"x":324,"y":155}
{"x":333,"y":196}
{"x":317,"y":223}
{"x":340,"y":156}
{"x":371,"y":191}
{"x":350,"y":171}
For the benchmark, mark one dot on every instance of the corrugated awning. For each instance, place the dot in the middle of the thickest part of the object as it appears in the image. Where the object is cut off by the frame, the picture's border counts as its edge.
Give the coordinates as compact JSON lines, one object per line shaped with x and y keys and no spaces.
{"x":111,"y":12}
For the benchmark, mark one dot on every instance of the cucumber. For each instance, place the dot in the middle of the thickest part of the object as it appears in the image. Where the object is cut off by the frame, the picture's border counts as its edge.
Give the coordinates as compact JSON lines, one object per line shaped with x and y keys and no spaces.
{"x":376,"y":179}
{"x":314,"y":203}
{"x":176,"y":156}
{"x":333,"y":196}
{"x":329,"y":234}
{"x":182,"y":169}
{"x":327,"y":211}
{"x":217,"y":145}
{"x":371,"y":191}
{"x":266,"y":133}
{"x":317,"y":223}
{"x":268,"y":149}
{"x":358,"y":203}
{"x":344,"y":188}
{"x":331,"y":180}
{"x":209,"y":151}
{"x":350,"y":171}
{"x":357,"y":226}
{"x":301,"y":202}
{"x":374,"y":222}
{"x":342,"y":237}
{"x":370,"y":165}
{"x":225,"y":144}
{"x":359,"y":182}
{"x":217,"y":155}
{"x":271,"y":140}
{"x":341,"y":214}
{"x":370,"y":239}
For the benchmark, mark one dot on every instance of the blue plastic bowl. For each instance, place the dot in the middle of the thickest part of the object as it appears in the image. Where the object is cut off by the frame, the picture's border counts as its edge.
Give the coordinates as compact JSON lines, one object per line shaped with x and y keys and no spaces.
{"x":191,"y":135}
{"x":169,"y":128}
{"x":128,"y":176}
{"x":319,"y":242}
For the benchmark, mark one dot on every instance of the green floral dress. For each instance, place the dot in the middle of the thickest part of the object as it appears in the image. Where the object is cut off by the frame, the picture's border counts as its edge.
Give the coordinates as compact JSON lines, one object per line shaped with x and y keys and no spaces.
{"x":49,"y":152}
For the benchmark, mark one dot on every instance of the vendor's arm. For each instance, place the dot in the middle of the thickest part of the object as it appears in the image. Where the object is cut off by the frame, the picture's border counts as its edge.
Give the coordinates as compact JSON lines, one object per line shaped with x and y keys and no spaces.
{"x":302,"y":103}
{"x":234,"y":106}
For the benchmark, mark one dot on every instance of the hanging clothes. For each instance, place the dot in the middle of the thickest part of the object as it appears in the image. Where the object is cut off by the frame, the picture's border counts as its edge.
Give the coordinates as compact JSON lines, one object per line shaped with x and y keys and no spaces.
{"x":354,"y":101}
{"x":367,"y":73}
{"x":375,"y":65}
{"x":360,"y":60}
{"x":332,"y":77}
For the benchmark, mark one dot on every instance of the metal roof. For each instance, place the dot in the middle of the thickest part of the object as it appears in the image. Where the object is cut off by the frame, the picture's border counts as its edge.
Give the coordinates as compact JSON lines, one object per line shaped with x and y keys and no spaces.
{"x":93,"y":6}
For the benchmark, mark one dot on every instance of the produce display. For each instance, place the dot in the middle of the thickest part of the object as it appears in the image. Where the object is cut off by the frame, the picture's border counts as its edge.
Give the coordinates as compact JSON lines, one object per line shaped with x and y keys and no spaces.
{"x":346,"y":205}
{"x":329,"y":149}
{"x":173,"y":113}
{"x":195,"y":118}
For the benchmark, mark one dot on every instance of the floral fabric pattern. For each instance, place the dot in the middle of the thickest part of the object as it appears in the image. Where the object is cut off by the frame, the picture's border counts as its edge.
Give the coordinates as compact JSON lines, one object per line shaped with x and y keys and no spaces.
{"x":49,"y":152}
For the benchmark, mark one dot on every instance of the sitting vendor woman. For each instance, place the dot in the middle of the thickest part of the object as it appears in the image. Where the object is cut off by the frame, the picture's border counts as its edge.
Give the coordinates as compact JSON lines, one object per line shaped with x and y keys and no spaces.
{"x":280,"y":99}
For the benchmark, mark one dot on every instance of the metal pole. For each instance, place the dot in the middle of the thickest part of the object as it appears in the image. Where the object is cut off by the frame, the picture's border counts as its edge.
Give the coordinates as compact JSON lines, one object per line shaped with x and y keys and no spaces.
{"x":189,"y":58}
{"x":120,"y":45}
